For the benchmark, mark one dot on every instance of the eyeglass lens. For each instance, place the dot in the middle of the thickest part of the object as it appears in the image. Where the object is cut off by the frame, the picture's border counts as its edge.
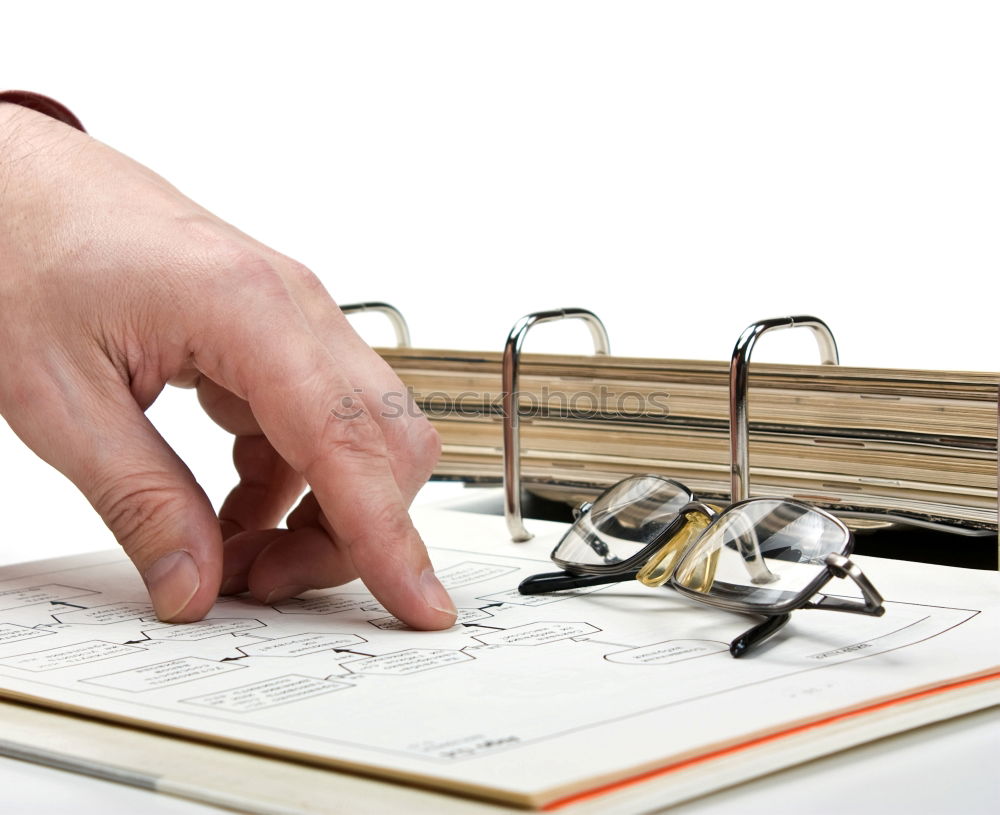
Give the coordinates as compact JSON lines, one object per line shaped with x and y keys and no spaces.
{"x":622,"y":522}
{"x":764,"y":552}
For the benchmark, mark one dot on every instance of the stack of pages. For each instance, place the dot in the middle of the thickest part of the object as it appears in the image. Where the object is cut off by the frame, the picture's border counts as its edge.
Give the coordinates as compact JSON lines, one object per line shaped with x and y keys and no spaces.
{"x":878,"y":443}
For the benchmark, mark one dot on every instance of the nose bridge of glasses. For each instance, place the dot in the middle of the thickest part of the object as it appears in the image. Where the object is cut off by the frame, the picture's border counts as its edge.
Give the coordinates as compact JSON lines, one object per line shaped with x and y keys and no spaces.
{"x":738,"y":382}
{"x":660,"y":566}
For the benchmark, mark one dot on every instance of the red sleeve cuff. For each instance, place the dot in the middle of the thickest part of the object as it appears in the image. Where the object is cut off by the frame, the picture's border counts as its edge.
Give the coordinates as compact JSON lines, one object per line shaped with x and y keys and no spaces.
{"x":42,"y":104}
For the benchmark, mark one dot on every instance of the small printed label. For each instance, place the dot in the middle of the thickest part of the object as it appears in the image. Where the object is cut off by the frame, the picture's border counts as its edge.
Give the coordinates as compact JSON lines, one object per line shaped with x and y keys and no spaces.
{"x":300,"y":645}
{"x":163,"y":674}
{"x":537,"y":633}
{"x":464,"y":747}
{"x":515,"y":598}
{"x":68,"y":656}
{"x":401,"y":663}
{"x":465,"y":574}
{"x":664,"y":653}
{"x":105,"y":615}
{"x":201,"y":630}
{"x":10,"y":633}
{"x":327,"y":604}
{"x":281,"y":690}
{"x":18,"y":598}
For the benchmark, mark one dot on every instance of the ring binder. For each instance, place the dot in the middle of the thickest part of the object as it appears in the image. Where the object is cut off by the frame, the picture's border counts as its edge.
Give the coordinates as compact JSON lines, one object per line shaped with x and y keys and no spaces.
{"x":739,"y":437}
{"x":394,"y":314}
{"x":887,"y":449}
{"x":511,"y":420}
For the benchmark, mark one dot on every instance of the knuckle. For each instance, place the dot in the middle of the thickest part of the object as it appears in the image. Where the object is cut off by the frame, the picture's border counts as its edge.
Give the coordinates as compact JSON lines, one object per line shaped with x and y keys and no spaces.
{"x":414,"y":441}
{"x":390,"y":525}
{"x":139,"y":509}
{"x":254,"y":274}
{"x":301,"y":276}
{"x":228,"y":266}
{"x":356,"y":441}
{"x":425,"y":444}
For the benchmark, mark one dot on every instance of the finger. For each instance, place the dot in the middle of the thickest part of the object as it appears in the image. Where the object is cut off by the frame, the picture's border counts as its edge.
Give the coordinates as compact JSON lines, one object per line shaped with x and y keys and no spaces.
{"x":268,"y":487}
{"x":226,"y":409}
{"x":238,"y":554}
{"x":91,"y":429}
{"x":297,"y":561}
{"x":293,"y":384}
{"x":411,"y":439}
{"x":276,"y":579}
{"x":306,"y":513}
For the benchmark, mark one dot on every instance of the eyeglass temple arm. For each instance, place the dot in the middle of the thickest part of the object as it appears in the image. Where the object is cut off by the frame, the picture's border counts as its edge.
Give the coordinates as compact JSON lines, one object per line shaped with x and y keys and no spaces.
{"x":560,"y":581}
{"x":840,"y":566}
{"x":756,"y":635}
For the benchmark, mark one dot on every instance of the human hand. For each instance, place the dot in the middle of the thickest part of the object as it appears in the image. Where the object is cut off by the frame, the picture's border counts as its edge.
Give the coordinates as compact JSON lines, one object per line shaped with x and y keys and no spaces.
{"x":114,"y":284}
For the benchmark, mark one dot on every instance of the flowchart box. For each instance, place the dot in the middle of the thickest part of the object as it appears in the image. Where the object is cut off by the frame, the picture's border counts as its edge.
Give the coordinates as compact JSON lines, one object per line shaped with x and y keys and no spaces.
{"x":162,"y":674}
{"x":299,"y":645}
{"x":411,"y":661}
{"x":68,"y":656}
{"x":281,"y":690}
{"x":35,"y":595}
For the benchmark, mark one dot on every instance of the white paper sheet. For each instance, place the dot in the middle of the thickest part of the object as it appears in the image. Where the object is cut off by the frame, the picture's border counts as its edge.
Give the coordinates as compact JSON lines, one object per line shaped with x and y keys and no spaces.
{"x":527,"y":699}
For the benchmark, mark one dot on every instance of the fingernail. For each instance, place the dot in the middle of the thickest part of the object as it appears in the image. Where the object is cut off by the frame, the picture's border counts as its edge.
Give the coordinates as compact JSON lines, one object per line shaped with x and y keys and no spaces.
{"x":435,"y":595}
{"x":172,"y":581}
{"x":280,"y":593}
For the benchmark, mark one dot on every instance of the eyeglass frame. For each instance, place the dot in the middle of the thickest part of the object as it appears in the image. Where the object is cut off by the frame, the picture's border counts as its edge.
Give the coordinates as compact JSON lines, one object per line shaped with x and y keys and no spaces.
{"x":776,"y":615}
{"x":646,"y":553}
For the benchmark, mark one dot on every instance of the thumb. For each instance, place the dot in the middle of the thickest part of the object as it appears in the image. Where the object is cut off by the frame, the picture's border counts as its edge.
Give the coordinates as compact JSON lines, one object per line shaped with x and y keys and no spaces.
{"x":146,"y":495}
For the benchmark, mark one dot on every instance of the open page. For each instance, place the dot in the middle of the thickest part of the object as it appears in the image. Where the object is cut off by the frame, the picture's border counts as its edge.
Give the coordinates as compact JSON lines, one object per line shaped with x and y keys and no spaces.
{"x":528,"y":700}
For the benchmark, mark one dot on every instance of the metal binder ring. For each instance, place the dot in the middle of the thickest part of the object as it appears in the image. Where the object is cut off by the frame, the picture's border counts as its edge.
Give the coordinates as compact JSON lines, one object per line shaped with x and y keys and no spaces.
{"x":394,"y":314}
{"x":511,"y":420}
{"x":738,"y":375}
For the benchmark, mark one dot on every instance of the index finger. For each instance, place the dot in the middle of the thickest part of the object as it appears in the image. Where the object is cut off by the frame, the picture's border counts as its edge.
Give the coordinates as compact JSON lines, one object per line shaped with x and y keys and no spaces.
{"x":310,"y":412}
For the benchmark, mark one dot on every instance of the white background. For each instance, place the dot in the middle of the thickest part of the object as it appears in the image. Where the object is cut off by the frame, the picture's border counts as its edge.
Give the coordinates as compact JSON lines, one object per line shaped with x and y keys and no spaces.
{"x":683,"y":169}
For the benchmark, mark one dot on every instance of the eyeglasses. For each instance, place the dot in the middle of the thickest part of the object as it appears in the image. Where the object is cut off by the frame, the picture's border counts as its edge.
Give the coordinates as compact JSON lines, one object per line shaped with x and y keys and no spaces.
{"x":763,"y":556}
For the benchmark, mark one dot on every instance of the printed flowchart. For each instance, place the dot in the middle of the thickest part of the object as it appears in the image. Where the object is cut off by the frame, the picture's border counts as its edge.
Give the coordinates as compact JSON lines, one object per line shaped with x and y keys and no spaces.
{"x":307,"y":658}
{"x":127,"y":628}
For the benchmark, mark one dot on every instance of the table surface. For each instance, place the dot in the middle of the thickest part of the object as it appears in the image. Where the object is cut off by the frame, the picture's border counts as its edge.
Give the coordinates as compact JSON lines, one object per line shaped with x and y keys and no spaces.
{"x":949,"y":766}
